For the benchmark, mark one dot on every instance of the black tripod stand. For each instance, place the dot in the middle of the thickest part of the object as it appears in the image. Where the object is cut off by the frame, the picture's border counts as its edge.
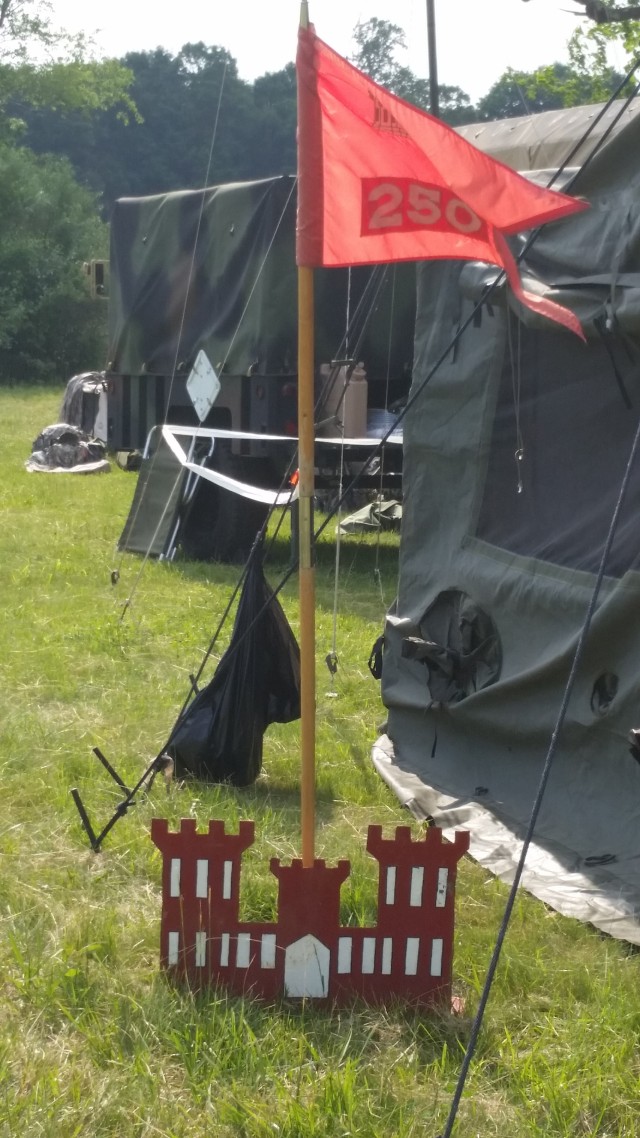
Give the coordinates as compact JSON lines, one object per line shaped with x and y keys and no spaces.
{"x":162,"y":763}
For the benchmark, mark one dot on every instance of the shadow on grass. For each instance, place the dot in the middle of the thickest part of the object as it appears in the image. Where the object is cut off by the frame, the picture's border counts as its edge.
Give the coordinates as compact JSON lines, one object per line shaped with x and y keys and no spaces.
{"x":360,"y":555}
{"x":356,"y":1029}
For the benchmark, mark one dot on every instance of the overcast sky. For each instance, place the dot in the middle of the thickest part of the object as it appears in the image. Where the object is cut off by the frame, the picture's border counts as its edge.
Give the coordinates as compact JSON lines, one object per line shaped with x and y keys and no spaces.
{"x":476,"y":39}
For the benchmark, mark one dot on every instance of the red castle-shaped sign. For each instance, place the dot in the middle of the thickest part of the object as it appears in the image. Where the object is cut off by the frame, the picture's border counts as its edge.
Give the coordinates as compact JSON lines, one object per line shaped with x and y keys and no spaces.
{"x":407,"y":954}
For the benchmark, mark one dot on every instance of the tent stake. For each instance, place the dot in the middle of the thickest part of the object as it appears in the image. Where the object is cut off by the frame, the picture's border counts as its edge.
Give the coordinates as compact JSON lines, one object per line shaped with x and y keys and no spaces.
{"x":161,"y":762}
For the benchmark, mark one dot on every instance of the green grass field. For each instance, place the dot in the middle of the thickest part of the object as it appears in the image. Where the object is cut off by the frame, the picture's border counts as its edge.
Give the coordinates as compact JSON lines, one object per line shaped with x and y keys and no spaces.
{"x":94,"y":1041}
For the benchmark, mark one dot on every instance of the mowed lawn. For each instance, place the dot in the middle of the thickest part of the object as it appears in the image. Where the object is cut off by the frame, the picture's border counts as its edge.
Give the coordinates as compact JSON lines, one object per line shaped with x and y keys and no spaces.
{"x":94,"y":1041}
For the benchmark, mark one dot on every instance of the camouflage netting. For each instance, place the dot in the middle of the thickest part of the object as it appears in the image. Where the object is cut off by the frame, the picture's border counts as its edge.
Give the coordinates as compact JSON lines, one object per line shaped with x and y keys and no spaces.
{"x":63,"y":447}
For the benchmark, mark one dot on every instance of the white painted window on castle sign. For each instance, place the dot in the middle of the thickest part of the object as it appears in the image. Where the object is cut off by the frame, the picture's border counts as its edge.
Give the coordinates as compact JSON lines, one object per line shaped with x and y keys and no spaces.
{"x":391,"y":885}
{"x":387,"y":955}
{"x":174,"y":877}
{"x":224,"y":950}
{"x":243,"y":950}
{"x":268,"y":950}
{"x":202,"y":878}
{"x":368,"y":954}
{"x":173,"y":947}
{"x":411,"y":956}
{"x":441,"y":889}
{"x":226,"y":880}
{"x":417,"y":881}
{"x":437,"y":946}
{"x":345,"y":945}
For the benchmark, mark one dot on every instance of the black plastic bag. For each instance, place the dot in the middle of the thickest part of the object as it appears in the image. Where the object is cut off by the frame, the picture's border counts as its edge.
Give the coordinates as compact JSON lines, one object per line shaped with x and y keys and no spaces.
{"x":257,"y":682}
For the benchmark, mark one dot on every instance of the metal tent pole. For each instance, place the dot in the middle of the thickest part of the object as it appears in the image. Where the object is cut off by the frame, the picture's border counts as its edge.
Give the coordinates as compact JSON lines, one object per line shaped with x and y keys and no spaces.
{"x":434,"y":101}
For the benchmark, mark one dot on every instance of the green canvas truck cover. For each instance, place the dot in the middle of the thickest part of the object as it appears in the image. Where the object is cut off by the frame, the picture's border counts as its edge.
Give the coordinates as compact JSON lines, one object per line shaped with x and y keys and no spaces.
{"x":514,"y":454}
{"x":215,"y":269}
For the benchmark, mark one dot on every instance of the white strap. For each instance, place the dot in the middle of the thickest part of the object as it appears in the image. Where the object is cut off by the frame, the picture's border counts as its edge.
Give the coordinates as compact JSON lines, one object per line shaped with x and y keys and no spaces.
{"x":255,"y":493}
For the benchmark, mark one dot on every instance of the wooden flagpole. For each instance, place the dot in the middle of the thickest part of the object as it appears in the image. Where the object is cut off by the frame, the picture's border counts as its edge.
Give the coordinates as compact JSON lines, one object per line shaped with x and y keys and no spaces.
{"x":306,"y":448}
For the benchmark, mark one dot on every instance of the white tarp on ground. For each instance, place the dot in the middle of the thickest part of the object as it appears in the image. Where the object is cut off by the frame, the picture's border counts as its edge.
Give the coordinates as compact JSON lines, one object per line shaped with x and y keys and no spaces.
{"x":552,"y":873}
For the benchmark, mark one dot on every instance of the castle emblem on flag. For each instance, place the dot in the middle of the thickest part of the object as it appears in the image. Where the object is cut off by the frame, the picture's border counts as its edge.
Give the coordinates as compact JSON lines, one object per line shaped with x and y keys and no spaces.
{"x":384,"y":120}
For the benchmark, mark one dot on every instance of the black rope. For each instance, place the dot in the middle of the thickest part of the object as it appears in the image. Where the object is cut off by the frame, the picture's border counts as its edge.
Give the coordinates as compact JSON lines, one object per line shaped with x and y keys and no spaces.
{"x":624,"y":103}
{"x":615,"y":120}
{"x":174,"y":368}
{"x":362,"y":315}
{"x":577,"y":660}
{"x":332,"y":513}
{"x":499,"y":278}
{"x":366,"y":305}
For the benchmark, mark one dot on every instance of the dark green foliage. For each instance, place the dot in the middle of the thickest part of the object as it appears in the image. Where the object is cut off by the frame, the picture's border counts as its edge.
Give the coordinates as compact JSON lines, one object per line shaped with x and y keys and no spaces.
{"x":275,"y":107}
{"x":198,"y":124}
{"x":377,"y":41}
{"x":185,"y":121}
{"x":456,"y":107}
{"x":49,"y":325}
{"x":549,"y":88}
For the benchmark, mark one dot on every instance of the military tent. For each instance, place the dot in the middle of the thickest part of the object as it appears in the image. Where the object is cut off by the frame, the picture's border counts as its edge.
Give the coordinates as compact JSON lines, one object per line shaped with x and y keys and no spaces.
{"x":514,"y":454}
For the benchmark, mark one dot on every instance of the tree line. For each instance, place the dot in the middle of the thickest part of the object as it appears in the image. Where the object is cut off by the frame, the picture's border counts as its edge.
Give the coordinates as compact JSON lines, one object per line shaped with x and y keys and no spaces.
{"x":76,"y":133}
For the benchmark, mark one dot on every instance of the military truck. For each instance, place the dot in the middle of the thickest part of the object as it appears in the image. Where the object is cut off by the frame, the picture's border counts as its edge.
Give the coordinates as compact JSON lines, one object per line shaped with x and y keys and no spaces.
{"x":214,"y":270}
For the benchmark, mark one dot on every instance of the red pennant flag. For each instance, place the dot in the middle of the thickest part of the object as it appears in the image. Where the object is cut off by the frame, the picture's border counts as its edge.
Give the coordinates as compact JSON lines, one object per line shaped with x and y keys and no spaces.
{"x":381,"y":181}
